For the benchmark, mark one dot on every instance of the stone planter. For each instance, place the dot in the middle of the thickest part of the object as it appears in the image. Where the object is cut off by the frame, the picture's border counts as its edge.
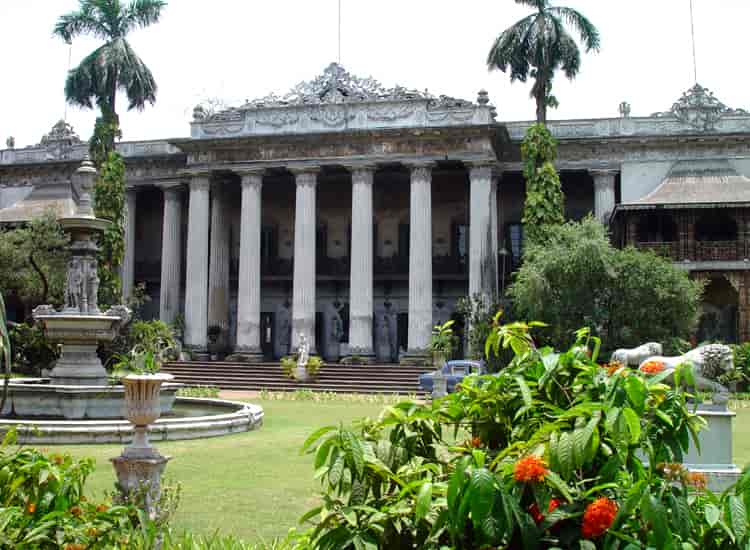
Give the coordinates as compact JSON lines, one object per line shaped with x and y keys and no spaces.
{"x":439,"y":359}
{"x":142,"y":407}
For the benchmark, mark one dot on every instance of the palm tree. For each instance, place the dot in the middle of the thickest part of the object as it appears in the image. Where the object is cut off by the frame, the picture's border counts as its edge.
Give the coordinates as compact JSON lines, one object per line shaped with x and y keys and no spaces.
{"x":114,"y":65}
{"x":538,"y":45}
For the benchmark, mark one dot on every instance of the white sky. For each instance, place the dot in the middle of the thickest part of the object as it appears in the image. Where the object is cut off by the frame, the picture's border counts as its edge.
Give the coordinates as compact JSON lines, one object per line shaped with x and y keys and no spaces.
{"x":242,"y":49}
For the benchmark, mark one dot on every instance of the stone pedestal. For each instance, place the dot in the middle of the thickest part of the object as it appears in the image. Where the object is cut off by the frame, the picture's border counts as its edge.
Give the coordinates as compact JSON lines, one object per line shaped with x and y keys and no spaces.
{"x":361,"y":276}
{"x":171,"y":252}
{"x":303,"y":300}
{"x":139,"y":479}
{"x":715,"y":457}
{"x":420,"y":265}
{"x":196,"y":284}
{"x":248,"y":296}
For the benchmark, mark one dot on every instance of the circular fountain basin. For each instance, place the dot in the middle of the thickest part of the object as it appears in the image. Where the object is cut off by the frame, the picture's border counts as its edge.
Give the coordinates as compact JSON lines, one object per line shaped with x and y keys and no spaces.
{"x":191,"y":418}
{"x":42,"y":399}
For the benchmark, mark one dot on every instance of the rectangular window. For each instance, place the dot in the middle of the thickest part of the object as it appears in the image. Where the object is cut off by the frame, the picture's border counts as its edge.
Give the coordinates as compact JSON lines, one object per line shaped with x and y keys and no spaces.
{"x":514,"y":243}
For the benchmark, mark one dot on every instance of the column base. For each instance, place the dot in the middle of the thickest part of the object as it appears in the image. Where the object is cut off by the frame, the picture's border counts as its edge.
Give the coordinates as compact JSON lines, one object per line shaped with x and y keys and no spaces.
{"x":359,"y":357}
{"x":417,"y":358}
{"x":197,"y":353}
{"x":245,"y":355}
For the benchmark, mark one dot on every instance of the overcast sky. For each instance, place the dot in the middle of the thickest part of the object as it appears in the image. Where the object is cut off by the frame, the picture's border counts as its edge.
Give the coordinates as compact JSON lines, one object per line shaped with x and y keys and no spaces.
{"x":243,"y":49}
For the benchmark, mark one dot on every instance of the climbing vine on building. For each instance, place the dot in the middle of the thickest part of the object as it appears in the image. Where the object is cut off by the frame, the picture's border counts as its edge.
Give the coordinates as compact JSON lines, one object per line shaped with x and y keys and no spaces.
{"x":109,"y":204}
{"x":543,"y":207}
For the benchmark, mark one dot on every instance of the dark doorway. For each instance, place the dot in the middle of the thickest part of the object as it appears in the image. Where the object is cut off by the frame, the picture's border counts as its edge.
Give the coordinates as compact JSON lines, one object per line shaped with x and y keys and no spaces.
{"x":267,"y":334}
{"x":402,"y":331}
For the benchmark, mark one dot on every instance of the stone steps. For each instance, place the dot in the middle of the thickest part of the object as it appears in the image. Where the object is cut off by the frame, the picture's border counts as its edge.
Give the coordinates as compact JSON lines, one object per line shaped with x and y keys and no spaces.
{"x":390,"y":379}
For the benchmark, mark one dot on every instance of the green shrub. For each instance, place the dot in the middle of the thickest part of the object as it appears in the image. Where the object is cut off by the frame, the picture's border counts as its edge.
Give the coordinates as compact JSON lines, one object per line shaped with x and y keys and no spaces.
{"x":32,"y":351}
{"x":548,"y":453}
{"x":199,"y":391}
{"x":627,"y":297}
{"x":42,"y":504}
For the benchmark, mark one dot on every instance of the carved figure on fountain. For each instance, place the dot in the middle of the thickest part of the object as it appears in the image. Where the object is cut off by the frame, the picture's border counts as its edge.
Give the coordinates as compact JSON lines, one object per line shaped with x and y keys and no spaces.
{"x":303,"y":351}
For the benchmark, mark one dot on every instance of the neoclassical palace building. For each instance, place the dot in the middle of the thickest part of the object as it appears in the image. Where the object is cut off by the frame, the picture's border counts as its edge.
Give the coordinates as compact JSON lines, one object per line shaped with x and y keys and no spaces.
{"x":358,"y":215}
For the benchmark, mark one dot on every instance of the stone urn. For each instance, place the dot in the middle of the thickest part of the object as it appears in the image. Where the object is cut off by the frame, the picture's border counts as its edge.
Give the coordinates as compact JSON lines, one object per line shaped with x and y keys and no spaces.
{"x":142,"y":407}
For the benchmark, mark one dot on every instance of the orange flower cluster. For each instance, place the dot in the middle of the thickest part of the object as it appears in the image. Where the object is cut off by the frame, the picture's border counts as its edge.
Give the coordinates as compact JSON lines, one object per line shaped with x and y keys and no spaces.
{"x":652,"y":367}
{"x":75,"y":547}
{"x":76,"y":511}
{"x":102,"y":508}
{"x":598,"y":517}
{"x":31,"y":508}
{"x":530,"y":469}
{"x":537,"y":515}
{"x":476,"y":442}
{"x":699,"y":480}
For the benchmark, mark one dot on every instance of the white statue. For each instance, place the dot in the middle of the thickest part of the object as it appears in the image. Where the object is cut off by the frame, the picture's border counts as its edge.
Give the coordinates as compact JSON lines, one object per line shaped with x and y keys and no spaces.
{"x":709,"y":362}
{"x":303,"y":351}
{"x":635,"y":356}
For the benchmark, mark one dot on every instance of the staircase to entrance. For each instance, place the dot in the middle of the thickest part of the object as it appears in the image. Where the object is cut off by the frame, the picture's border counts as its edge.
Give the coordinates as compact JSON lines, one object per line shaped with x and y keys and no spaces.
{"x":383,"y":379}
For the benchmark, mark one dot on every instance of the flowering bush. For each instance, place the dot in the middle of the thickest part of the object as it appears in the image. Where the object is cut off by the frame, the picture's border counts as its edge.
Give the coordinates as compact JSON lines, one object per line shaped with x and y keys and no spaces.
{"x":558,"y":453}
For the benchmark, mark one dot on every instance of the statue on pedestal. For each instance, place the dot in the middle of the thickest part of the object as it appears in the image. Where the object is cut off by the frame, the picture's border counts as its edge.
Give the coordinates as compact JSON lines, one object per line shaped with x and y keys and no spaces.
{"x":303,"y":351}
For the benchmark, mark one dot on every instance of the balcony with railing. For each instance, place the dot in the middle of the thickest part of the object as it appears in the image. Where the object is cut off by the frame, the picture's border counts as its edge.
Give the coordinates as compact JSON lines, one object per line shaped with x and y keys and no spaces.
{"x":719,"y":251}
{"x":669,"y":250}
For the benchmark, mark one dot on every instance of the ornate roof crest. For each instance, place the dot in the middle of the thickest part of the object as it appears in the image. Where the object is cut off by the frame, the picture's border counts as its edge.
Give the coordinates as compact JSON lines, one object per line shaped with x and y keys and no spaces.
{"x":335,"y":86}
{"x":61,"y":131}
{"x":699,"y":108}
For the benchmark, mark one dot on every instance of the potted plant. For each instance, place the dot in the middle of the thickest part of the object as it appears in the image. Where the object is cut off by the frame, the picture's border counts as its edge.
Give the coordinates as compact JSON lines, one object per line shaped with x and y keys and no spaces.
{"x":142,"y":386}
{"x":442,"y":342}
{"x":301,"y":373}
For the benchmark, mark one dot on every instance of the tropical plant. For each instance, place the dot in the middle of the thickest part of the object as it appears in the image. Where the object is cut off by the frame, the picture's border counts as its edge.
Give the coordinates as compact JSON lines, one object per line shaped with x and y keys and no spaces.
{"x":626,"y":296}
{"x":543,"y":208}
{"x":32,"y":351}
{"x":480,"y":316}
{"x":552,"y":452}
{"x":114,"y":65}
{"x":538,"y":45}
{"x":443,"y":339}
{"x":313,"y":366}
{"x":152,"y":344}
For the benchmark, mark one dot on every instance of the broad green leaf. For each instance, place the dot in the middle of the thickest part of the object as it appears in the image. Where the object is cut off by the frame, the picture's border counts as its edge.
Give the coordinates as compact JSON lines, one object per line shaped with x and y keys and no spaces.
{"x":482,"y":494}
{"x":525,"y":392}
{"x":424,"y":501}
{"x":634,"y":424}
{"x":336,"y":473}
{"x":637,"y":392}
{"x":315,"y":436}
{"x":712,"y":514}
{"x":655,"y":513}
{"x":565,"y":454}
{"x":737,"y":516}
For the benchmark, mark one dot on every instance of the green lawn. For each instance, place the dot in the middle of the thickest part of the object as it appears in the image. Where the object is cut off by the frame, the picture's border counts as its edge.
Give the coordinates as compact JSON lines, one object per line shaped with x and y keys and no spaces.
{"x":251,"y":485}
{"x":256,"y":484}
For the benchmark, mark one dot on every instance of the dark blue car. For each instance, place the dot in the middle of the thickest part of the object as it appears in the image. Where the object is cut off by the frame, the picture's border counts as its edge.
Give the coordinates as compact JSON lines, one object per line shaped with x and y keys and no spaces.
{"x":454,"y":372}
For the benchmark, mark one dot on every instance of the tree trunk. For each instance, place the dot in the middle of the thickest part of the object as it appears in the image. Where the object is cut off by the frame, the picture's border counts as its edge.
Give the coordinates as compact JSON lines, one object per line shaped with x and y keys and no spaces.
{"x":42,"y":276}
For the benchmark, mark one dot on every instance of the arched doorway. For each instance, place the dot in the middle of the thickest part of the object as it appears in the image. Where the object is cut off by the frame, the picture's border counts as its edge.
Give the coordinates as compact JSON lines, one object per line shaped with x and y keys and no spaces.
{"x":719,"y":319}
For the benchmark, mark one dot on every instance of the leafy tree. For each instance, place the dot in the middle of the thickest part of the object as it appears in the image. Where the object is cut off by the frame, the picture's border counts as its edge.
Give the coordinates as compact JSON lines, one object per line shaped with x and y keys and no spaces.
{"x":34,"y":261}
{"x":5,"y":353}
{"x":543,"y":207}
{"x":109,"y":204}
{"x":627,"y":296}
{"x":538,"y":45}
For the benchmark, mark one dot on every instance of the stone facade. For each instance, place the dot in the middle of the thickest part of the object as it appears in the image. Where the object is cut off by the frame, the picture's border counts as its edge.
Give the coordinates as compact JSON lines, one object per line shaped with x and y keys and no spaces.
{"x":358,"y":215}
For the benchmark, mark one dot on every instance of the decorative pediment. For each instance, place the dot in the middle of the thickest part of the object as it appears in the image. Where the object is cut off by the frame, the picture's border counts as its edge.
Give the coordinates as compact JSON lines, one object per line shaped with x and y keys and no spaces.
{"x":700,"y":109}
{"x":60,"y":132}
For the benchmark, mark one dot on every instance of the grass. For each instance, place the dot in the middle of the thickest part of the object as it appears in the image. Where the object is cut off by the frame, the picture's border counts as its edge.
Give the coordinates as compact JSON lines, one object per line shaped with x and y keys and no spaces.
{"x":256,"y":485}
{"x":253,"y":485}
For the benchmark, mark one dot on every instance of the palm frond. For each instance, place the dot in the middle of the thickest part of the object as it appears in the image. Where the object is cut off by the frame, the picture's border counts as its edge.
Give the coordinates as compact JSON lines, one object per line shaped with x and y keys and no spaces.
{"x":540,"y":5}
{"x":508,"y":51}
{"x":133,"y":75}
{"x":141,"y":13}
{"x":586,"y":30}
{"x":83,"y":21}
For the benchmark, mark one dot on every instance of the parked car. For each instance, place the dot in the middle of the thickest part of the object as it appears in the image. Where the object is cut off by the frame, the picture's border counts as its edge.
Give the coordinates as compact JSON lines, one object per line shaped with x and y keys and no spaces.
{"x":454,"y":371}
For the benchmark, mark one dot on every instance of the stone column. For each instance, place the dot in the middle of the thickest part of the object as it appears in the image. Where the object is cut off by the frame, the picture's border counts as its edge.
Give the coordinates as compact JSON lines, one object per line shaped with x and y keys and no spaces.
{"x":248,"y":294}
{"x":128,"y":259}
{"x":493,"y":230}
{"x":361,"y":275}
{"x":420,"y":260}
{"x":482,"y":274}
{"x":171,"y":252}
{"x":218,"y":270}
{"x":305,"y":230}
{"x":604,"y":194}
{"x":196,"y":284}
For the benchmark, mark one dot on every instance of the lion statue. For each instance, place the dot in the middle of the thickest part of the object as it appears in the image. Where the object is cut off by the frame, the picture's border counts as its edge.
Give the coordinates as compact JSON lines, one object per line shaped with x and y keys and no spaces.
{"x":709,"y":363}
{"x":635,"y":356}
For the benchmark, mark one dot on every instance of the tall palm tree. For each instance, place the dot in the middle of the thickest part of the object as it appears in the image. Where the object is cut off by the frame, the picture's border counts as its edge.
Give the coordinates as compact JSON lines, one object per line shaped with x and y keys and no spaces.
{"x":538,"y":45}
{"x":114,"y":65}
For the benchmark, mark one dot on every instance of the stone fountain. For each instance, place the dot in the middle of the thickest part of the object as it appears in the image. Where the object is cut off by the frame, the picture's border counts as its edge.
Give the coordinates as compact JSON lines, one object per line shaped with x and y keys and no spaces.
{"x":78,"y":385}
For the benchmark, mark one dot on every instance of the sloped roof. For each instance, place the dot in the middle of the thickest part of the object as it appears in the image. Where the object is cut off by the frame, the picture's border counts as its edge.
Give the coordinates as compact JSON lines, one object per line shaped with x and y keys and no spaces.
{"x":695,"y":184}
{"x":57,"y":198}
